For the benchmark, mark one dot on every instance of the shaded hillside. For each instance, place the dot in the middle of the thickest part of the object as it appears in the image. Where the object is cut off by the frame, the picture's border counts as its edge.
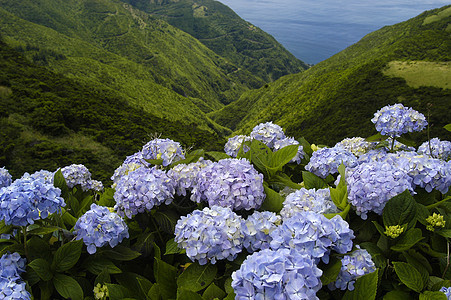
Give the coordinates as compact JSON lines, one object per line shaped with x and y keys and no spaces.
{"x":224,"y":32}
{"x":338,"y":97}
{"x":49,"y":121}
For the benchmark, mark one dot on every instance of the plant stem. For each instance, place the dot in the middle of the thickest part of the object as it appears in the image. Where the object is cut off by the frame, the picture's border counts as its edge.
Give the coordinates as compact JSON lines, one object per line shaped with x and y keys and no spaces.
{"x":24,"y":231}
{"x":447,"y":262}
{"x":432,"y":206}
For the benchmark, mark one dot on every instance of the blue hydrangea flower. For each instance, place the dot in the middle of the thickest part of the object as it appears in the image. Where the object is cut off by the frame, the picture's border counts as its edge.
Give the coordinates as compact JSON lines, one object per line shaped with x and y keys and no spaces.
{"x":13,"y":290}
{"x":395,"y":120}
{"x":165,"y":149}
{"x":44,"y":175}
{"x":268,"y":133}
{"x":141,"y":190}
{"x":318,"y":201}
{"x":279,"y":144}
{"x":27,"y":200}
{"x":313,"y":234}
{"x":77,"y":175}
{"x":5,"y":178}
{"x":185,"y":176}
{"x":378,"y":154}
{"x":11,"y":266}
{"x":95,"y":185}
{"x":371,"y":185}
{"x":98,"y":227}
{"x":230,"y":183}
{"x":233,"y":145}
{"x":446,"y":291}
{"x":257,"y":229}
{"x":440,"y":149}
{"x":353,"y":266}
{"x":326,"y":161}
{"x":210,"y":234}
{"x":279,"y":274}
{"x":356,"y":145}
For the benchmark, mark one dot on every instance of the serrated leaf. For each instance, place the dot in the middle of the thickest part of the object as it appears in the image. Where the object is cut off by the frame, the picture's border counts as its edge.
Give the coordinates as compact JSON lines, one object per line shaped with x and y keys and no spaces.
{"x":165,"y":276}
{"x":67,"y":287}
{"x":217,"y":156}
{"x":117,"y":292}
{"x":311,"y":181}
{"x":188,"y":295}
{"x":415,"y":258}
{"x":60,"y":182}
{"x":43,"y":230}
{"x":42,"y":268}
{"x":339,"y":194}
{"x":283,"y":156}
{"x":144,"y":244}
{"x":107,"y":198}
{"x":144,"y":285}
{"x":447,"y":127}
{"x":365,"y":287}
{"x":96,"y":265}
{"x":379,"y":228}
{"x":429,"y":295}
{"x":154,"y":292}
{"x":376,"y":138}
{"x":190,"y":158}
{"x":422,"y":213}
{"x":397,"y":295}
{"x":409,"y":275}
{"x":400,"y":210}
{"x":331,"y":271}
{"x":67,"y":256}
{"x":212,"y":292}
{"x":444,"y":232}
{"x":172,"y":247}
{"x":121,"y":253}
{"x":196,"y":277}
{"x":376,"y":254}
{"x":157,"y":162}
{"x":228,"y":286}
{"x":273,"y":201}
{"x":166,"y":220}
{"x":85,"y":205}
{"x":408,"y":240}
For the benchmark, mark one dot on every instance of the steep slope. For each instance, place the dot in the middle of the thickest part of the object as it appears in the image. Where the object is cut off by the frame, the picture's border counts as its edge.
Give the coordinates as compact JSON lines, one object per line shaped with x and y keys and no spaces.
{"x":99,"y":34}
{"x":338,"y":97}
{"x":49,"y":121}
{"x":224,"y":32}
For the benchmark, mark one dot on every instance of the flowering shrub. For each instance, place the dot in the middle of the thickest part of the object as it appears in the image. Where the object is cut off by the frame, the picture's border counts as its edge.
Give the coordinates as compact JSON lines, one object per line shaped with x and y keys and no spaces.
{"x":318,"y":201}
{"x":165,"y":149}
{"x":325,"y":161}
{"x":436,"y":149}
{"x":186,"y":176}
{"x":257,"y":230}
{"x":5,"y":177}
{"x":268,"y":133}
{"x":233,"y":145}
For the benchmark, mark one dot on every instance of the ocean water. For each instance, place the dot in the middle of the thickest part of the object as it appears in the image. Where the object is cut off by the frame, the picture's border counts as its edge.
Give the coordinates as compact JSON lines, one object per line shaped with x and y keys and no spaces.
{"x":314,"y":30}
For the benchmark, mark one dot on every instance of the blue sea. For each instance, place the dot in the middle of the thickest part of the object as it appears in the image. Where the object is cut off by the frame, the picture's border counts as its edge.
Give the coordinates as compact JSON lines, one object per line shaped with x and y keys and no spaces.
{"x":314,"y":30}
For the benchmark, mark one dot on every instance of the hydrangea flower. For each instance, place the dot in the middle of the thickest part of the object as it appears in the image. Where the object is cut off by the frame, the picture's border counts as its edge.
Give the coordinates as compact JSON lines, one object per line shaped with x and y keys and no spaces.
{"x":11,"y":266}
{"x":268,"y":133}
{"x":95,"y":185}
{"x":318,"y":201}
{"x":77,"y":175}
{"x":353,"y":266}
{"x":165,"y":149}
{"x":371,"y":185}
{"x":279,"y":144}
{"x":378,"y":154}
{"x":123,"y":170}
{"x":13,"y":290}
{"x":45,"y":175}
{"x":230,"y":183}
{"x":446,"y":291}
{"x":185,"y":175}
{"x":98,"y":227}
{"x":141,"y":190}
{"x":210,"y":234}
{"x":136,"y":158}
{"x":101,"y":292}
{"x":233,"y":145}
{"x":440,"y":149}
{"x":395,"y":120}
{"x":356,"y":145}
{"x":27,"y":200}
{"x":313,"y":234}
{"x":5,"y":178}
{"x":326,"y":161}
{"x":257,"y":229}
{"x":279,"y":274}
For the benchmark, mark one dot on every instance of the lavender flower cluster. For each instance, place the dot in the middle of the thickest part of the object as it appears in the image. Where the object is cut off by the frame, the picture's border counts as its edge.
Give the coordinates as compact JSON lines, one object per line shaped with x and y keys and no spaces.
{"x":440,"y":149}
{"x":5,"y":178}
{"x":28,"y":199}
{"x":210,"y":234}
{"x":279,"y":144}
{"x":80,"y":175}
{"x":326,"y":161}
{"x":318,"y":201}
{"x":268,"y":133}
{"x":141,"y":190}
{"x":356,"y":145}
{"x":257,"y":230}
{"x":185,"y":175}
{"x":446,"y":291}
{"x":230,"y":183}
{"x":98,"y":227}
{"x":233,"y":145}
{"x":165,"y":149}
{"x":11,"y":284}
{"x":395,"y":120}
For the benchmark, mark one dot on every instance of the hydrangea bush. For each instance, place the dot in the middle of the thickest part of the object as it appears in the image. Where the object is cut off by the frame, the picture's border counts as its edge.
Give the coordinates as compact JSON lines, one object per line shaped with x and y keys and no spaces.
{"x":272,"y":218}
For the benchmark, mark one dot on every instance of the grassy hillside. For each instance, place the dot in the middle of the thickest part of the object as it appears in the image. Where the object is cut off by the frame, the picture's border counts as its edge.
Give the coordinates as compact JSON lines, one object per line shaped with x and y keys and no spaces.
{"x":338,"y":97}
{"x":48,"y":121}
{"x":224,"y":32}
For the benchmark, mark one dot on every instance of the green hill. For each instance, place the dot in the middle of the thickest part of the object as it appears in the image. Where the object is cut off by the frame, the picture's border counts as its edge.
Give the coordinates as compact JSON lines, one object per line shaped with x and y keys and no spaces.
{"x":223,"y":31}
{"x":337,"y":97}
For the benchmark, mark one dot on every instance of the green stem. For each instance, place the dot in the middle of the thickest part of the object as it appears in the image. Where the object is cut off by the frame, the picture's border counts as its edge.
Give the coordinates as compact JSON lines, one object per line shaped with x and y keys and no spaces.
{"x":392,"y":144}
{"x":158,"y":231}
{"x":432,"y":206}
{"x":24,"y":231}
{"x":447,"y":262}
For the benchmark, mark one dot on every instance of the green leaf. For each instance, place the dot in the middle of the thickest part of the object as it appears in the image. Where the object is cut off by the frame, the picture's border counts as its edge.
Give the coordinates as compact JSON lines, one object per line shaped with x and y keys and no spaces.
{"x":154,"y":292}
{"x":107,"y":198}
{"x":188,"y":295}
{"x":283,"y":156}
{"x":418,"y":260}
{"x":447,"y":127}
{"x":117,"y":292}
{"x":212,"y":292}
{"x":121,"y":253}
{"x":172,"y":247}
{"x":379,"y":228}
{"x":60,"y":182}
{"x":196,"y":277}
{"x":46,"y":288}
{"x":422,"y":213}
{"x":428,"y":295}
{"x":331,"y":271}
{"x":407,"y":240}
{"x":339,"y":194}
{"x":157,"y":162}
{"x":365,"y":287}
{"x":138,"y":285}
{"x":144,"y":244}
{"x":376,"y":138}
{"x":217,"y":155}
{"x":67,"y":256}
{"x":397,"y":295}
{"x":189,"y":158}
{"x":444,"y":232}
{"x":85,"y":205}
{"x":165,"y":276}
{"x":228,"y":286}
{"x":96,"y":265}
{"x":67,"y":287}
{"x":42,"y":268}
{"x":43,"y":230}
{"x":283,"y":179}
{"x":144,"y":285}
{"x":166,"y":220}
{"x":306,"y":146}
{"x":311,"y":181}
{"x":68,"y":218}
{"x":400,"y":210}
{"x":409,"y":275}
{"x":273,"y":201}
{"x":376,"y":254}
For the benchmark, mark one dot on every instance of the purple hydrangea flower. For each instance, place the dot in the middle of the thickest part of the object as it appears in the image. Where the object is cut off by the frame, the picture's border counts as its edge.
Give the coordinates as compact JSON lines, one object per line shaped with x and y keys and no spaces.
{"x":27,"y":200}
{"x":277,"y":274}
{"x":230,"y":183}
{"x":141,"y":190}
{"x":440,"y":149}
{"x":165,"y":149}
{"x":45,"y":175}
{"x":446,"y":291}
{"x":318,"y":201}
{"x":279,"y":144}
{"x":11,"y":266}
{"x":185,"y":176}
{"x":371,"y":185}
{"x":98,"y":227}
{"x":326,"y":161}
{"x":356,"y":145}
{"x":268,"y":133}
{"x":210,"y":234}
{"x":5,"y":178}
{"x":123,"y":170}
{"x":233,"y":145}
{"x":77,"y":175}
{"x":395,"y":120}
{"x":257,"y":229}
{"x":13,"y":290}
{"x":378,"y":154}
{"x":136,"y":158}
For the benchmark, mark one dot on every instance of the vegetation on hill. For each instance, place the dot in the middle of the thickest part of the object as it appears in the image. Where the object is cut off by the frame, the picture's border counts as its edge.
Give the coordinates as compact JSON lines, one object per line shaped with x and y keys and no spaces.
{"x":337,"y":97}
{"x":223,"y":31}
